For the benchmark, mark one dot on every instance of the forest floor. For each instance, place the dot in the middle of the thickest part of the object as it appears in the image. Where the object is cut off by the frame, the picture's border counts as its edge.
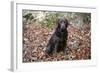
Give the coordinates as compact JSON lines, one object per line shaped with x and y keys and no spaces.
{"x":36,"y":37}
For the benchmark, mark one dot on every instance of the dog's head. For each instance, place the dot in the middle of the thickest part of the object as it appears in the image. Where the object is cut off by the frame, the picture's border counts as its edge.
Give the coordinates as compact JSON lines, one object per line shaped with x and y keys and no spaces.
{"x":62,"y":24}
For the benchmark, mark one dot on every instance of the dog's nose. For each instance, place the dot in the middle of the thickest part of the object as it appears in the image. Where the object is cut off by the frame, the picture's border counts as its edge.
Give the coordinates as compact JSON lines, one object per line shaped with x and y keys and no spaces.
{"x":63,"y":28}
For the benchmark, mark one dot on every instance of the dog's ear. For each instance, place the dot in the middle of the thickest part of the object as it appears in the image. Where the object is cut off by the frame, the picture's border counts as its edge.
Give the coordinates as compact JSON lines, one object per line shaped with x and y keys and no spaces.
{"x":67,"y":23}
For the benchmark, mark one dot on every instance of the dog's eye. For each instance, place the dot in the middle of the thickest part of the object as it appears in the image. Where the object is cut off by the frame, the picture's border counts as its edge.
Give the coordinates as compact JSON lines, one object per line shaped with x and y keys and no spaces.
{"x":64,"y":22}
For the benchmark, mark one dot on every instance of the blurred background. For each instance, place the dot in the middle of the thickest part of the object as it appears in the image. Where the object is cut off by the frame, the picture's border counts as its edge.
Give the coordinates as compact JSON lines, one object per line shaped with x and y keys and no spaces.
{"x":48,"y":19}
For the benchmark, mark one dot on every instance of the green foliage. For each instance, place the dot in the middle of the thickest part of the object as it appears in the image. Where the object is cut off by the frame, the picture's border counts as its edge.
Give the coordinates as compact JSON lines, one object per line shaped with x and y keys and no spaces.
{"x":50,"y":19}
{"x":28,"y":16}
{"x":87,"y":17}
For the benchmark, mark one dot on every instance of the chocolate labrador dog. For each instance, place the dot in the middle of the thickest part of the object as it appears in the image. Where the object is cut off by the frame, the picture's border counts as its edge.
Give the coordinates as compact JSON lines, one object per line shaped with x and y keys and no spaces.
{"x":58,"y":40}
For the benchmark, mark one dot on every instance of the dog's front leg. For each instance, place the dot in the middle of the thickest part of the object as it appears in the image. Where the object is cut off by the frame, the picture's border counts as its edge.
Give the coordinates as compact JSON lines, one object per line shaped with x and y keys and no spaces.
{"x":55,"y":49}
